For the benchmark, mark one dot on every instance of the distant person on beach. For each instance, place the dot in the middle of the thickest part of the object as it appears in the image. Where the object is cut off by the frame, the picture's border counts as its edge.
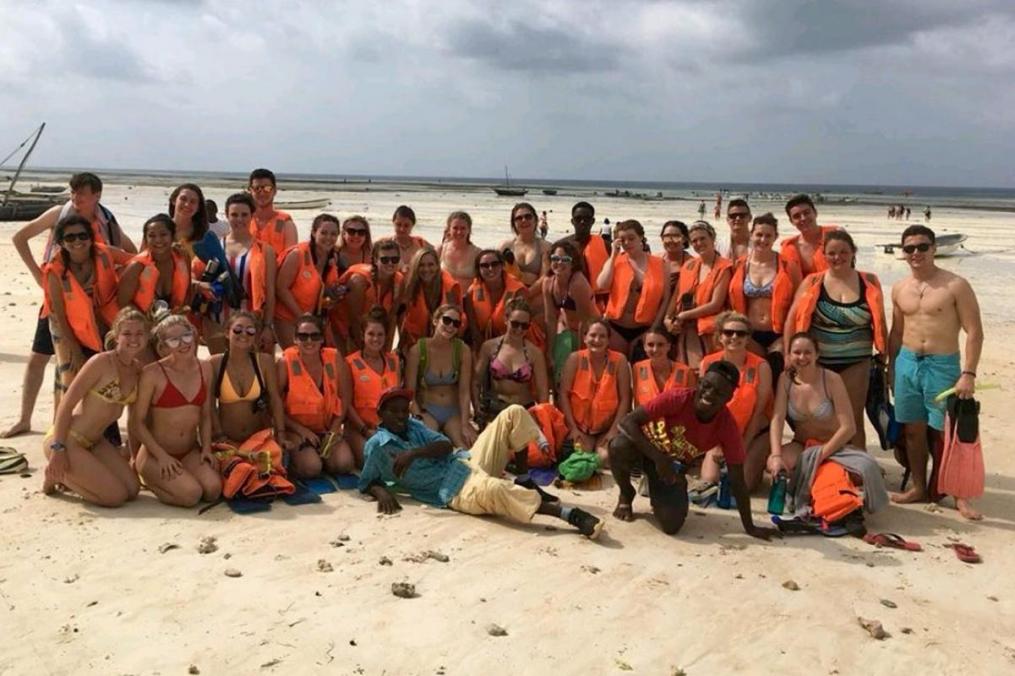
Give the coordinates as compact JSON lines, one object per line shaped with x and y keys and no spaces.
{"x":404,"y":220}
{"x":738,"y":242}
{"x":931,"y":307}
{"x":717,"y":211}
{"x":594,"y":249}
{"x":891,"y":211}
{"x":701,"y":209}
{"x":926,"y":214}
{"x":218,"y":226}
{"x":544,"y":226}
{"x":805,"y":249}
{"x":907,"y":213}
{"x":673,"y":431}
{"x":271,"y":226}
{"x":85,"y":193}
{"x":413,"y":458}
{"x":457,"y":252}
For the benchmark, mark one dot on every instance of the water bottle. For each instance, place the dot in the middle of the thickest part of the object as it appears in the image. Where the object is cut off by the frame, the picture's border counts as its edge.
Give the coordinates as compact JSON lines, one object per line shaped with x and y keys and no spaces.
{"x":725,"y":500}
{"x":777,"y":496}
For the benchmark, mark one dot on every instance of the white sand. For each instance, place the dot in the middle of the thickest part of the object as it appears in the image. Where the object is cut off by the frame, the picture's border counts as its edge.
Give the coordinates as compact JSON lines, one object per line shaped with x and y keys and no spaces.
{"x":85,"y":590}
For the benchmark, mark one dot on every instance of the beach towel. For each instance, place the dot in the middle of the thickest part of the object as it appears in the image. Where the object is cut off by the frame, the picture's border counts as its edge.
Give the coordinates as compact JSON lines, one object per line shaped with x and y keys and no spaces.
{"x":961,"y":474}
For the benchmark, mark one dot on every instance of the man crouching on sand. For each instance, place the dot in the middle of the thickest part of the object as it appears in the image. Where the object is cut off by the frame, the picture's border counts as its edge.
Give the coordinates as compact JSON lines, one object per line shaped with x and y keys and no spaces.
{"x":670,"y":432}
{"x":406,"y":453}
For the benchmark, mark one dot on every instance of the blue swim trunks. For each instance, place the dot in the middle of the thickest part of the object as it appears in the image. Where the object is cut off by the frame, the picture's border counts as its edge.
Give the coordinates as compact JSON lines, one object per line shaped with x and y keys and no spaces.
{"x":920,"y":378}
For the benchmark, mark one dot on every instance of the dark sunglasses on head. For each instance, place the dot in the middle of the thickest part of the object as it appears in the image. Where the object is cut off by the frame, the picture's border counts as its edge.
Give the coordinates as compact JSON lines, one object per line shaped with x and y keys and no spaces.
{"x":239,"y":330}
{"x":76,"y":236}
{"x":451,"y":321}
{"x":490,"y":265}
{"x":738,"y":215}
{"x":515,"y":324}
{"x":390,"y":260}
{"x":309,"y":337}
{"x":922,"y":247}
{"x":560,"y":259}
{"x":356,"y":232}
{"x":738,"y":333}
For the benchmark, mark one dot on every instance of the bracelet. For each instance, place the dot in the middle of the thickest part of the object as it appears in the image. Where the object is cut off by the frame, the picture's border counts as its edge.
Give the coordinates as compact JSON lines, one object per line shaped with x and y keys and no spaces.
{"x":969,"y":373}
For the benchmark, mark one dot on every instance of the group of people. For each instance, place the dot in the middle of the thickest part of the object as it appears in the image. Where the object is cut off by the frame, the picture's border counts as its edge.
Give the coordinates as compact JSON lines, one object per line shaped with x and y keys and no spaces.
{"x":431,"y":370}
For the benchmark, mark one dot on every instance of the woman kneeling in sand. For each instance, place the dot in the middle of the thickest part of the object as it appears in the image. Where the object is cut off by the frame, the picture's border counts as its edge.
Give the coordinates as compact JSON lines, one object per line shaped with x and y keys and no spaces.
{"x":80,"y":457}
{"x":172,"y":419}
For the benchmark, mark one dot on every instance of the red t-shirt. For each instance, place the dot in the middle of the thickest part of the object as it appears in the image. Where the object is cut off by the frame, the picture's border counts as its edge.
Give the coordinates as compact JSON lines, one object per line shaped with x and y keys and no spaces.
{"x":685,"y":437}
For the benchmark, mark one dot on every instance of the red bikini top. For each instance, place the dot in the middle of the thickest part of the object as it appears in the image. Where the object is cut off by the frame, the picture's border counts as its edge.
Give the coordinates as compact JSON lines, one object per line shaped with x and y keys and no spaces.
{"x":173,"y":398}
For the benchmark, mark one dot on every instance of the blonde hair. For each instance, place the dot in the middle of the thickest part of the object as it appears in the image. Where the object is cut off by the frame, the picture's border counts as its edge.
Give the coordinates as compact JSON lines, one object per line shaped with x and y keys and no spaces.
{"x":731,"y":317}
{"x":127,"y":314}
{"x":439,"y":312}
{"x":167,"y":322}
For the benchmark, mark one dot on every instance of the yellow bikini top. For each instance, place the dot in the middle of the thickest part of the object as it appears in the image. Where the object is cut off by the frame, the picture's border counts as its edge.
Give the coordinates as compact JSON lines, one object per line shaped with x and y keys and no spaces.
{"x":111,"y":394}
{"x":226,"y":391}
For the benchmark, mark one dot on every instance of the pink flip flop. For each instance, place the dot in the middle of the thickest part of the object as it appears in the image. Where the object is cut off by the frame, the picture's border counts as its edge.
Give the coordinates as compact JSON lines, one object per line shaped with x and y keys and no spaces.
{"x":965,"y":553}
{"x":893,"y":540}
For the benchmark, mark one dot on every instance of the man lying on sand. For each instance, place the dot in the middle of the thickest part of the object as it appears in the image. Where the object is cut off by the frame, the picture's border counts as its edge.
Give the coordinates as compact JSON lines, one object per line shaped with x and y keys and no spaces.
{"x":408,"y":455}
{"x":672,"y":431}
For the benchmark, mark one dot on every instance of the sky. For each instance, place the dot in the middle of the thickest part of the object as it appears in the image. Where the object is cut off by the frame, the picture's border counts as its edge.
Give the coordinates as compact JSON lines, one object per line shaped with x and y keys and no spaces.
{"x":896,"y":92}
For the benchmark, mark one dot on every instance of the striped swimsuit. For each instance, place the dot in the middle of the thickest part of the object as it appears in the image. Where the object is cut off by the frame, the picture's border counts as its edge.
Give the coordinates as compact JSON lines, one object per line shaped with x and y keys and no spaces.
{"x":844,"y":331}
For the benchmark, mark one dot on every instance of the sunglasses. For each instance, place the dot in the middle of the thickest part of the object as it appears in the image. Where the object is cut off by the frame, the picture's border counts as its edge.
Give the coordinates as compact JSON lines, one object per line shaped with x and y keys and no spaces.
{"x":261,"y":188}
{"x":524,"y":326}
{"x":183,"y":339}
{"x":735,"y":333}
{"x":922,"y":247}
{"x":309,"y":337}
{"x":560,"y":259}
{"x":240,"y":330}
{"x":525,"y":217}
{"x":451,"y":321}
{"x":737,"y":215}
{"x":490,"y":265}
{"x":389,"y":260}
{"x":77,"y":236}
{"x":356,"y":232}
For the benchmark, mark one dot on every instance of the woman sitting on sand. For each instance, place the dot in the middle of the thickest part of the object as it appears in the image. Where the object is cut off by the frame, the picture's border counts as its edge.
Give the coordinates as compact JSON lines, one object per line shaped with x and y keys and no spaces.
{"x":80,"y":458}
{"x":531,"y":253}
{"x":595,"y":392}
{"x":372,"y":371}
{"x":172,"y":419}
{"x":307,"y":278}
{"x":568,"y":304}
{"x":658,"y":373}
{"x":509,"y":369}
{"x":815,"y":400}
{"x":762,"y":287}
{"x":845,"y":312}
{"x":675,"y":239}
{"x":369,"y":285}
{"x":487,"y":296}
{"x":751,"y":402}
{"x":440,"y":370}
{"x":160,"y":273}
{"x":355,"y":247}
{"x":700,"y":297}
{"x":639,"y":293}
{"x":425,"y":288}
{"x":457,"y":252}
{"x":243,"y":368}
{"x":315,"y":387}
{"x":404,"y":220}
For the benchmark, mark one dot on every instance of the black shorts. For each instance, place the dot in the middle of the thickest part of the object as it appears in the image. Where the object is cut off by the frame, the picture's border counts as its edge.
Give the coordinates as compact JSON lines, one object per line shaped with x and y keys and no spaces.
{"x":765,"y":338}
{"x":668,"y":496}
{"x":628,"y":333}
{"x":42,"y":343}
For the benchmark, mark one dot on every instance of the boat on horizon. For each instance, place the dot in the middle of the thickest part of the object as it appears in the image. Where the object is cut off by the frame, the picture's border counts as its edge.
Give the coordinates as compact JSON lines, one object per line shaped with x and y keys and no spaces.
{"x":296,"y":205}
{"x":549,"y":191}
{"x":507,"y":190}
{"x":18,"y":206}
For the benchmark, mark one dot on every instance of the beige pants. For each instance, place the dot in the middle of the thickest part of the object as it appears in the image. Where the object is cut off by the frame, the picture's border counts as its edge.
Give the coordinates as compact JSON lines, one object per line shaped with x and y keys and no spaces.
{"x":484,"y":492}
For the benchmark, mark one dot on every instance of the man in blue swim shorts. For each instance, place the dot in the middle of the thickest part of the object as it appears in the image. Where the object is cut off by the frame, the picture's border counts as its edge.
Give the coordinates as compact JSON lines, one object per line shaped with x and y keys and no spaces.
{"x":931,"y":307}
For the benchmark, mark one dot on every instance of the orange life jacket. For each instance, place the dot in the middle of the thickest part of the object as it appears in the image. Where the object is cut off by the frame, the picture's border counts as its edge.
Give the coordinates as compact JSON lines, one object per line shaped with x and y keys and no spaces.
{"x":272,"y":231}
{"x":789,"y":250}
{"x":745,"y":397}
{"x":339,"y":315}
{"x":653,"y":286}
{"x":307,"y":286}
{"x":148,"y":281}
{"x":554,"y":427}
{"x":833,"y":494}
{"x":782,"y":289}
{"x":368,"y":384}
{"x":306,"y":404}
{"x":594,"y":405}
{"x":872,"y":294}
{"x":254,"y":469}
{"x":647,"y":388}
{"x":595,"y":254}
{"x":491,"y":320}
{"x":83,"y":311}
{"x":417,"y":322}
{"x":688,"y":283}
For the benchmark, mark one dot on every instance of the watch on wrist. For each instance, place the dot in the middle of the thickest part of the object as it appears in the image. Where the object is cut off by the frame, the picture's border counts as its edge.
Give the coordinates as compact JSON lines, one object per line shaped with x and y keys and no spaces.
{"x":57,"y":447}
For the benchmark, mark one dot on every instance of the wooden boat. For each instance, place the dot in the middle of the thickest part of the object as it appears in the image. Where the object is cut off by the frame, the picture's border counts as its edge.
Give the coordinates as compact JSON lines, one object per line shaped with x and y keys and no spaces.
{"x":48,"y":188}
{"x":296,"y":205}
{"x":549,"y":191}
{"x":23,"y":211}
{"x":17,"y":206}
{"x":947,"y":245}
{"x":507,"y":190}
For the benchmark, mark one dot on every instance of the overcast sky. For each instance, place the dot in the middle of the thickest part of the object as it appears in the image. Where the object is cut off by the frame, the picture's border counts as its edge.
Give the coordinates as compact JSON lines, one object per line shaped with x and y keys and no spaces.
{"x":911,"y":92}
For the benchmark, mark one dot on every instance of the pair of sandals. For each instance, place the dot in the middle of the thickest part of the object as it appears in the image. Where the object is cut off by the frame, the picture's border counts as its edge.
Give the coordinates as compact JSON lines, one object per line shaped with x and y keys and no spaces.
{"x":965,"y":553}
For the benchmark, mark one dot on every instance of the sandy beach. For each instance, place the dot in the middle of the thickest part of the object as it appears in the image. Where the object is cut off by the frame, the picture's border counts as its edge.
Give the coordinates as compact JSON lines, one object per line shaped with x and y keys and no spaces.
{"x":85,"y":590}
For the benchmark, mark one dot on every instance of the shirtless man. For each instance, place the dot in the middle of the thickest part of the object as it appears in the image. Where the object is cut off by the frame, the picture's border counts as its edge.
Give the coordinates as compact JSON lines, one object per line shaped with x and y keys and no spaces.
{"x":930,"y":308}
{"x":738,"y":217}
{"x":270,"y":225}
{"x":85,"y":193}
{"x":805,"y":248}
